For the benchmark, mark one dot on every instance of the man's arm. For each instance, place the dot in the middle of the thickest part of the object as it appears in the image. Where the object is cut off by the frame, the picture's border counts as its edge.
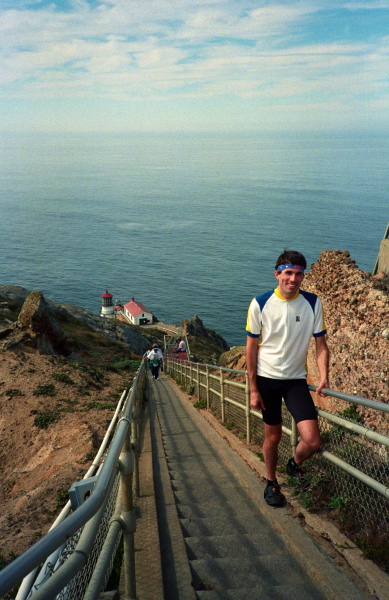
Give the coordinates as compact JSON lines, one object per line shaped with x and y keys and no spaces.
{"x":322,"y":359}
{"x":251,"y":365}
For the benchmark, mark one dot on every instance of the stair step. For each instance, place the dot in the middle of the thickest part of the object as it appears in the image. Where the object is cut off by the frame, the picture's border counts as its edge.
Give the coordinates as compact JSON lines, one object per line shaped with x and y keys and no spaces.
{"x":235,"y":573}
{"x":188,"y":463}
{"x":224,"y":483}
{"x":210,"y":509}
{"x":304,"y":591}
{"x":197,"y":471}
{"x":227,"y":546}
{"x":206,"y":494}
{"x":220,"y":525}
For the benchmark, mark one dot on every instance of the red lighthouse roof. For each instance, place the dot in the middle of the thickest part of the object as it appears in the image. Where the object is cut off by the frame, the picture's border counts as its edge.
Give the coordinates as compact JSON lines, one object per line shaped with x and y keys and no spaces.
{"x":106,"y":295}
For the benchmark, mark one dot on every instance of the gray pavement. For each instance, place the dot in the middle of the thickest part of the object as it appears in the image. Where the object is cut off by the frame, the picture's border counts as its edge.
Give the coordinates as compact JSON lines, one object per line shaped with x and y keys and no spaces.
{"x":217,"y":537}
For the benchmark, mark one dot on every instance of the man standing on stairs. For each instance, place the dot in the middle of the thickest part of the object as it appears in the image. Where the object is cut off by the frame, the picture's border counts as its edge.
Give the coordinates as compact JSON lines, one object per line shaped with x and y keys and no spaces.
{"x":280,"y":324}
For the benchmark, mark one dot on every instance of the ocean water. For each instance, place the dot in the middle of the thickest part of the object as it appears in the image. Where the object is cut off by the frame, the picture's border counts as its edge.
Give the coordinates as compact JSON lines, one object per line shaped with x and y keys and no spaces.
{"x":185,"y":223}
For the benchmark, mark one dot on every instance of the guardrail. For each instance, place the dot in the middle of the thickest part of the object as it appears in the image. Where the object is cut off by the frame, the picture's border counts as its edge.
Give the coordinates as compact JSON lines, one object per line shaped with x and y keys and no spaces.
{"x":78,"y":551}
{"x":352,"y":464}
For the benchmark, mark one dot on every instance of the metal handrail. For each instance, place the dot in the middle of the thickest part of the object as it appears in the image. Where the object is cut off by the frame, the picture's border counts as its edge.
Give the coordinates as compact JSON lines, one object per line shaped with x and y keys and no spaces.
{"x":32,"y":578}
{"x":376,"y":404}
{"x":194,"y":378}
{"x":12,"y":574}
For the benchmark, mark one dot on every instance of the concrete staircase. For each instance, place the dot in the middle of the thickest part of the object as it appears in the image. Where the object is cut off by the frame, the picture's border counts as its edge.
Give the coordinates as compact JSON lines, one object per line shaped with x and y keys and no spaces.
{"x":237,"y":547}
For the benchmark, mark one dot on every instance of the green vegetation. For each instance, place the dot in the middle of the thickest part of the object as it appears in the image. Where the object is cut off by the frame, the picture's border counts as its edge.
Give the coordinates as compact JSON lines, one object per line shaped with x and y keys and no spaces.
{"x":124,"y":365}
{"x":64,"y":378}
{"x":200,"y":404}
{"x":190,"y":389}
{"x":351,"y":412}
{"x":43,"y":420}
{"x":337,"y":502}
{"x":68,"y":401}
{"x":45,"y":390}
{"x":61,"y":499}
{"x":101,"y":405}
{"x":11,"y":393}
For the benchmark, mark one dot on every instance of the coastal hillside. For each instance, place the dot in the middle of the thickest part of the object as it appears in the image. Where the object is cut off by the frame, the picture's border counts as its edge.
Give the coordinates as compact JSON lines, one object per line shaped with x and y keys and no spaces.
{"x":58,"y":388}
{"x":62,"y":371}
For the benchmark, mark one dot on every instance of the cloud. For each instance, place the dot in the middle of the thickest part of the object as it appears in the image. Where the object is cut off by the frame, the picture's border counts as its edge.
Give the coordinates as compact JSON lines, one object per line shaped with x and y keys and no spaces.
{"x":160,"y":50}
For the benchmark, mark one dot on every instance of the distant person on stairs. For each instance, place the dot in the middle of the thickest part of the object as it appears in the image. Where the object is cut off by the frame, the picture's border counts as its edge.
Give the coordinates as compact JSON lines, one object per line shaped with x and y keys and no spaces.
{"x":280,"y":324}
{"x":181,"y":347}
{"x":155,"y":359}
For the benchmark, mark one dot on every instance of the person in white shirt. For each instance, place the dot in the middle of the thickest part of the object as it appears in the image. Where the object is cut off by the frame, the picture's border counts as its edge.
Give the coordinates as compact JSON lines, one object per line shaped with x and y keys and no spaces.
{"x":181,"y":347}
{"x":280,"y":324}
{"x":155,"y":358}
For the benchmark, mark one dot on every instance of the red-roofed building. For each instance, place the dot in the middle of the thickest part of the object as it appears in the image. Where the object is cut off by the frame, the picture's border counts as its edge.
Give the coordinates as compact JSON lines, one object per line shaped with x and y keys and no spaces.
{"x":137,"y":313}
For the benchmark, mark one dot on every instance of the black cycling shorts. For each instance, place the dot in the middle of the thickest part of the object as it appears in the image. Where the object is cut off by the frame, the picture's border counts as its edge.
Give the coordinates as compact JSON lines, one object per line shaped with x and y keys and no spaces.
{"x":296,"y":395}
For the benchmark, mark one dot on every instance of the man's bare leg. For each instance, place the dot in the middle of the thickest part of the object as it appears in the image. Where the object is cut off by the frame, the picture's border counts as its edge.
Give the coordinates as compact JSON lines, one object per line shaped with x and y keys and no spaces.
{"x":270,"y":449}
{"x":309,"y":442}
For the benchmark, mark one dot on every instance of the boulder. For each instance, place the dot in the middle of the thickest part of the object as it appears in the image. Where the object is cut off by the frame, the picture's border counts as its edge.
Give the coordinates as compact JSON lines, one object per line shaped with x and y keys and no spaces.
{"x":37,"y":328}
{"x":195,"y":327}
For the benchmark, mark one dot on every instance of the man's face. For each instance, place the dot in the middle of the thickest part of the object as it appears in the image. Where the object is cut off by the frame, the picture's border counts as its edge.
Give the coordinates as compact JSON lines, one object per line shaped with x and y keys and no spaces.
{"x":289,"y":281}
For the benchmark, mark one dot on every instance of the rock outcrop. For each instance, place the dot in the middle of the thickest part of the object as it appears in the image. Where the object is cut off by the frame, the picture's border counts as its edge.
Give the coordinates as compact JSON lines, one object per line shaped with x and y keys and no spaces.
{"x":36,"y":328}
{"x":357,"y":318}
{"x":195,"y":327}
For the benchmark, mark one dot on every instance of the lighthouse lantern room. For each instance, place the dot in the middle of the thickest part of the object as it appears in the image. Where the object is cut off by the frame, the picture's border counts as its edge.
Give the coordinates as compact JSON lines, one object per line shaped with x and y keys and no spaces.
{"x":107,"y":308}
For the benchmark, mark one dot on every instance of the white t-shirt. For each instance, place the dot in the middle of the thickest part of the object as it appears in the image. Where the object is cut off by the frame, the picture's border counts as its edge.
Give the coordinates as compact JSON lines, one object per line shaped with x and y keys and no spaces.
{"x":155,"y":354}
{"x":284,"y":328}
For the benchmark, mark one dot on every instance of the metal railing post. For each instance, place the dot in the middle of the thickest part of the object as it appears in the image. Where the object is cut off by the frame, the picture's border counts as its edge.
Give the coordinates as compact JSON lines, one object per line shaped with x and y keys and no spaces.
{"x":248,"y":413}
{"x":198,"y":382}
{"x":207,"y":385}
{"x":223,"y":408}
{"x":128,"y":519}
{"x":135,"y":446}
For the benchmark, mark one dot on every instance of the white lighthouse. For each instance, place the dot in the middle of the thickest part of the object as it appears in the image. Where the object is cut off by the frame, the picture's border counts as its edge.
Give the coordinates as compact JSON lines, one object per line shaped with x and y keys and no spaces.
{"x":107,"y":309}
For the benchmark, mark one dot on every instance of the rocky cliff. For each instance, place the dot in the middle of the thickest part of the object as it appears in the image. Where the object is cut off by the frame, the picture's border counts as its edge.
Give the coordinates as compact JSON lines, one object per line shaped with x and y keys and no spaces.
{"x":357,"y":318}
{"x":196,"y":327}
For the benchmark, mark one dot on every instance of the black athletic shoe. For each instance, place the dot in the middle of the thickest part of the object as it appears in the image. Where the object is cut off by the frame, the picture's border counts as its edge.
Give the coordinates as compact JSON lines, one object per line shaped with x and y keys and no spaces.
{"x":294,"y":470}
{"x":273,"y":496}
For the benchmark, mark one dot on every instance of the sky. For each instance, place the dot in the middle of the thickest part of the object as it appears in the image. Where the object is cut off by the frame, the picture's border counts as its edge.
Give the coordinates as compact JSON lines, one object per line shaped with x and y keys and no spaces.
{"x":194,"y":65}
